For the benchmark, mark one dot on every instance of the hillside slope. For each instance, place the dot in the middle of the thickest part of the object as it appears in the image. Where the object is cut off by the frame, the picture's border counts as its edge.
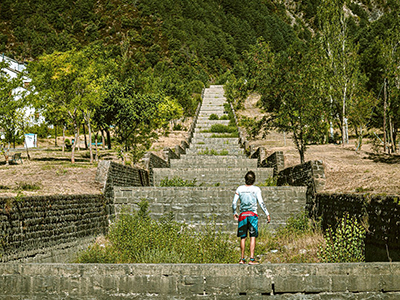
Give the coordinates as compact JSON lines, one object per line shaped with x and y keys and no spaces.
{"x":346,"y":170}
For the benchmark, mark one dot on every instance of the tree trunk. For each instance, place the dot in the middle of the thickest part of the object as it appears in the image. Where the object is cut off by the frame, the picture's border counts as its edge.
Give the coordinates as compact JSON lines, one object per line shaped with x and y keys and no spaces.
{"x":63,"y":143}
{"x":77,"y":139}
{"x":95,"y":140}
{"x":103,"y":141}
{"x":90,"y":136}
{"x":108,"y":139}
{"x":384,"y":118}
{"x":392,"y":141}
{"x":76,"y":132}
{"x":55,"y":135}
{"x":84,"y":134}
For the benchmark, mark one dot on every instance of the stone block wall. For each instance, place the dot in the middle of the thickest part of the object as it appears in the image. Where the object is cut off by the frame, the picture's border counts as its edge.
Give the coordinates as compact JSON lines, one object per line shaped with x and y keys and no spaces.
{"x":47,"y":228}
{"x":111,"y":174}
{"x":197,"y":205}
{"x":380,"y":214}
{"x":194,"y":281}
{"x":276,"y":161}
{"x":310,"y":174}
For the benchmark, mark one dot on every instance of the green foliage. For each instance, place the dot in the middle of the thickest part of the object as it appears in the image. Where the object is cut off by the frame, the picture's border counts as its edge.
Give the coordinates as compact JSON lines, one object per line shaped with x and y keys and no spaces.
{"x":226,"y":135}
{"x":213,"y":117}
{"x":139,"y":239}
{"x":345,"y":243}
{"x":213,"y":152}
{"x":270,"y":181}
{"x":220,"y":128}
{"x":28,"y":186}
{"x":177,"y":181}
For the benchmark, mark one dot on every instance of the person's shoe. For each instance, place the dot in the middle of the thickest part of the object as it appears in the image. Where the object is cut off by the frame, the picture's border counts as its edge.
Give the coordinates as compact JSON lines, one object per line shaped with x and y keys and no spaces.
{"x":242,"y":261}
{"x":253,"y":262}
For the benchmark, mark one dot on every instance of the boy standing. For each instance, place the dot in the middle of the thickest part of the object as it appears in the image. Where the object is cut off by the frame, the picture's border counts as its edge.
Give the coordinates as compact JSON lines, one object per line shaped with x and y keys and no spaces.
{"x":249,"y":195}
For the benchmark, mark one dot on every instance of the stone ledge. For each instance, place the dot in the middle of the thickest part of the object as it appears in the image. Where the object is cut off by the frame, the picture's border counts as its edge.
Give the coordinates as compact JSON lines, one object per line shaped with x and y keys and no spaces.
{"x":208,"y":281}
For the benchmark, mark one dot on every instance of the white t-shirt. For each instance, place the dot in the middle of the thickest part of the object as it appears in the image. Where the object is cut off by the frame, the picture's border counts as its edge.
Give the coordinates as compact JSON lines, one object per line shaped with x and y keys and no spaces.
{"x":249,"y":195}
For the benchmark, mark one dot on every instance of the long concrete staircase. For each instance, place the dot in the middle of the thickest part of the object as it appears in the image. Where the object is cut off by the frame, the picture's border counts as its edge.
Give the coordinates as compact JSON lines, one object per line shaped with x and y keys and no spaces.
{"x":217,"y":164}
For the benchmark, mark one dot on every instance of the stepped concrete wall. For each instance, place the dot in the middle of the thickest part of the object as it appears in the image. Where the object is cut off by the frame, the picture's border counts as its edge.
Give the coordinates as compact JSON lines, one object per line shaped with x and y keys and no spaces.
{"x":310,"y":174}
{"x":193,"y":281}
{"x":50,"y":228}
{"x":197,"y":205}
{"x":212,"y":176}
{"x":110,"y":174}
{"x":381,"y":215}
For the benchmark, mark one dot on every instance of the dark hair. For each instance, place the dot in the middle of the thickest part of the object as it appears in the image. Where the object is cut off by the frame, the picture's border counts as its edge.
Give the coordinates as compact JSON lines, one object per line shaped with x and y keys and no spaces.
{"x":250,"y":178}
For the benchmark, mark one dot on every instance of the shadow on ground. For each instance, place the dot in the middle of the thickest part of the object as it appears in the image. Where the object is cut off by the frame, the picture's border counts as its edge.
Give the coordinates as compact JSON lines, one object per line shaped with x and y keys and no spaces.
{"x":385,"y":158}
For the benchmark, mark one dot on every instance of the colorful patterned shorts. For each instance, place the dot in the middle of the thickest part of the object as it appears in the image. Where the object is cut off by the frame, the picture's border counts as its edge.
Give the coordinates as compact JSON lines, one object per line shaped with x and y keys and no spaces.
{"x":248,"y":221}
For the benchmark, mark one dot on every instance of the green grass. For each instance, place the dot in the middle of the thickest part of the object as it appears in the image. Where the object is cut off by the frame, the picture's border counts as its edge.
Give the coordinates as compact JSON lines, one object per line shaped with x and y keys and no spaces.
{"x":27,"y":186}
{"x":213,"y":152}
{"x":136,"y":238}
{"x":139,"y":239}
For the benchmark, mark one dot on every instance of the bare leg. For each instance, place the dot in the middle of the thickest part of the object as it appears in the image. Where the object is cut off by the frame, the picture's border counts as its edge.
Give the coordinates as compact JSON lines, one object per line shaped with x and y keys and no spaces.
{"x":252,"y":246}
{"x":242,"y":245}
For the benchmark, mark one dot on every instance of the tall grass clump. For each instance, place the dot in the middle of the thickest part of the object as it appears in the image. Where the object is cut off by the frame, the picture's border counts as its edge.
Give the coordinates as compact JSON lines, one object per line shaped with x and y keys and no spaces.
{"x":220,"y":128}
{"x":345,"y":243}
{"x":213,"y":117}
{"x":139,"y":239}
{"x":297,"y":242}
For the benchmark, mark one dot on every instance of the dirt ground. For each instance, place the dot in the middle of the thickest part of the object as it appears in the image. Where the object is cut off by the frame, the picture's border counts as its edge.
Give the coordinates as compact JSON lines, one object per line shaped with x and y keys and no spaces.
{"x":346,"y":170}
{"x":50,"y":172}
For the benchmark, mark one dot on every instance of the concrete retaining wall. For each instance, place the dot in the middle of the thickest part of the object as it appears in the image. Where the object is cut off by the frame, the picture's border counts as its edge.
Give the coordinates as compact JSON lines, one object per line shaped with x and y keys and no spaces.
{"x":49,"y":228}
{"x":310,"y":174}
{"x":193,"y":281}
{"x":381,"y":214}
{"x":212,"y":176}
{"x":197,"y":205}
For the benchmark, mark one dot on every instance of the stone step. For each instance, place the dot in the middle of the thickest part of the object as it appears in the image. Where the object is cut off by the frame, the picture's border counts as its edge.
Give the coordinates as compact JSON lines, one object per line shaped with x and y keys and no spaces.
{"x":204,"y":129}
{"x":216,"y":151}
{"x":209,"y":122}
{"x":212,"y":176}
{"x":211,"y":135}
{"x":208,"y":118}
{"x":219,"y":147}
{"x":206,"y":161}
{"x":224,"y":141}
{"x":197,"y":205}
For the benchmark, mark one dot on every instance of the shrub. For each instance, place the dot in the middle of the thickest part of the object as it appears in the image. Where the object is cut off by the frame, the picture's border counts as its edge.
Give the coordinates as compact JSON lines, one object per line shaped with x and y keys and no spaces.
{"x":213,"y":117}
{"x":177,"y":127}
{"x":26,"y":186}
{"x":270,"y":181}
{"x":345,"y":243}
{"x":220,"y":128}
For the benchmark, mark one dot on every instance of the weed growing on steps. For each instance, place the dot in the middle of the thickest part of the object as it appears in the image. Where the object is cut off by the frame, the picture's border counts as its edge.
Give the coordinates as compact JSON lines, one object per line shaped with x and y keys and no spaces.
{"x":27,"y":186}
{"x":177,"y":181}
{"x":270,"y":181}
{"x":213,"y":152}
{"x":213,"y":117}
{"x":139,"y":239}
{"x":345,"y":243}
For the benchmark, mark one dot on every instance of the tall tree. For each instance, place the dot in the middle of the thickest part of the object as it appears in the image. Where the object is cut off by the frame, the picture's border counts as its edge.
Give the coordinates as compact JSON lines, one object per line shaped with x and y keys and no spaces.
{"x":11,"y":105}
{"x":136,"y":116}
{"x":66,"y":80}
{"x":390,"y":52}
{"x":290,"y":91}
{"x":342,"y":72}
